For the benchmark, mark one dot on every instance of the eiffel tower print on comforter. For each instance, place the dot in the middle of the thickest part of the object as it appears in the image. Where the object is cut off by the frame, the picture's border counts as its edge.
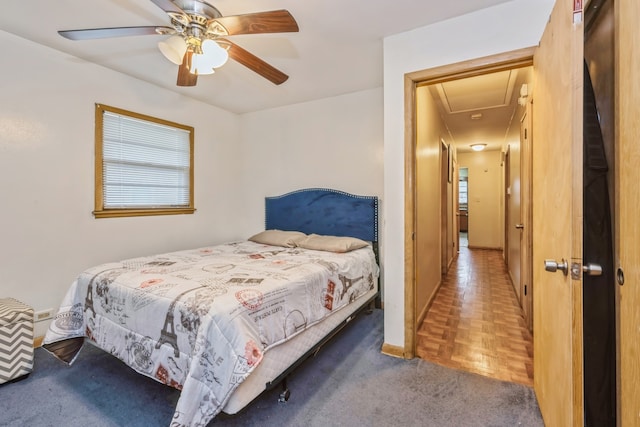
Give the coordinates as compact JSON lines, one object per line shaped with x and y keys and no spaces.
{"x":201,"y":320}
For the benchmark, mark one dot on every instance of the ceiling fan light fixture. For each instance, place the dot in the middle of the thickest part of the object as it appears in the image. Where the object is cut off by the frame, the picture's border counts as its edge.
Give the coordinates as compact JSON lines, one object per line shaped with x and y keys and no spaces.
{"x":200,"y":65}
{"x":173,"y":48}
{"x":216,"y":54}
{"x":213,"y":56}
{"x":478,"y":147}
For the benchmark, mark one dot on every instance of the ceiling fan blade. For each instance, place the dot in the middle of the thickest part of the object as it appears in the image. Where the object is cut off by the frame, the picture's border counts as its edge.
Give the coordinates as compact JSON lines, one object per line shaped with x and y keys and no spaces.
{"x":101,"y":33}
{"x":168,"y":6}
{"x":185,"y":78}
{"x":276,"y":21}
{"x":256,"y":64}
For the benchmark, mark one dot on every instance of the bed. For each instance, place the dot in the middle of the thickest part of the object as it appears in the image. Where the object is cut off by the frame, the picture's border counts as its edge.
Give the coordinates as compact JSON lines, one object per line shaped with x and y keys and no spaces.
{"x":224,"y":323}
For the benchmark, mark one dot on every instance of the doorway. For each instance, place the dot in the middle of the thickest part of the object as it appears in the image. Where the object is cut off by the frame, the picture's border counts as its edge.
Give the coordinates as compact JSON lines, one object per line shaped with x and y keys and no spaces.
{"x":463,"y":207}
{"x":419,"y":294}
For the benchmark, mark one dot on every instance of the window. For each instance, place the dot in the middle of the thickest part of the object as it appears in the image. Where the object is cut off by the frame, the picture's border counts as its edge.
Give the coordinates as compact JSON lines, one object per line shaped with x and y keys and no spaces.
{"x":144,"y":165}
{"x":463,"y":194}
{"x":463,"y":200}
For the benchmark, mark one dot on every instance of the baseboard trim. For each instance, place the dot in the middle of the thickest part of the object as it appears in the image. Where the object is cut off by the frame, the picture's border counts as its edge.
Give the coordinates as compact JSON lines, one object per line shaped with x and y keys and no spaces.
{"x":427,"y":306}
{"x":485,"y":247}
{"x":393,"y":350}
{"x":37,"y":341}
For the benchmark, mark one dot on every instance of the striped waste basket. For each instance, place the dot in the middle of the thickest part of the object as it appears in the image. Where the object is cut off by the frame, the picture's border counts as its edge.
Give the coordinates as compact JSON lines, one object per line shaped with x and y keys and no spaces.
{"x":16,"y":339}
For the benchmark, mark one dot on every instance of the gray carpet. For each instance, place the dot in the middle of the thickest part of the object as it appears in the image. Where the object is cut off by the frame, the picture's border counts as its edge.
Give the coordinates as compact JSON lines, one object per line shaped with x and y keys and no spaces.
{"x":349,"y":383}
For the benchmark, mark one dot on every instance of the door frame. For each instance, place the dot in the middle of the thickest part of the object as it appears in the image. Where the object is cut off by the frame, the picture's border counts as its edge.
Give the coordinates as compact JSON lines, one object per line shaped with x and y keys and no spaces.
{"x":627,"y":192}
{"x":507,"y":202}
{"x":475,"y":67}
{"x":445,"y":164}
{"x":526,"y":217}
{"x":455,"y":218}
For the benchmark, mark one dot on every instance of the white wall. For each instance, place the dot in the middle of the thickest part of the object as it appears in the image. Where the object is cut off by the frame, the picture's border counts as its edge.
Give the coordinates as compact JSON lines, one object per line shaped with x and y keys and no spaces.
{"x":47,"y":232}
{"x":333,"y":142}
{"x":506,"y":27}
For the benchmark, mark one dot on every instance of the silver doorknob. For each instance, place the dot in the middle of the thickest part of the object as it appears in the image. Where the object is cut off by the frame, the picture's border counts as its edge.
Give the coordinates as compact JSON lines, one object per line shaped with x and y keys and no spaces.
{"x":553,"y":266}
{"x":519,"y":226}
{"x":592,"y":269}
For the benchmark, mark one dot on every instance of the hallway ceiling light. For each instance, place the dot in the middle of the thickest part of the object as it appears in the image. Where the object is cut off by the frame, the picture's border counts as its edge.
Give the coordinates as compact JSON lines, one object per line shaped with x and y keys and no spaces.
{"x":478,"y":147}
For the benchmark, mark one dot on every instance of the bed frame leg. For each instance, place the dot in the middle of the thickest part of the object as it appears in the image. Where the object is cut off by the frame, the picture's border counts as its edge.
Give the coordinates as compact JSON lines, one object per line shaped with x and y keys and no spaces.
{"x":285,"y":393}
{"x":370,"y":308}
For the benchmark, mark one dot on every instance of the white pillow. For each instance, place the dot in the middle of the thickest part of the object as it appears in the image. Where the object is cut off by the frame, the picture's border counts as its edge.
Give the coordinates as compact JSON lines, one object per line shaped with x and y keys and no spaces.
{"x":288,"y":239}
{"x":331,"y":243}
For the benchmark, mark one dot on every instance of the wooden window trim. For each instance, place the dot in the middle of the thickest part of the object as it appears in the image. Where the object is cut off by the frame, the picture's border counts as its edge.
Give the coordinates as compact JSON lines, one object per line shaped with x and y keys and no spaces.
{"x":99,"y":210}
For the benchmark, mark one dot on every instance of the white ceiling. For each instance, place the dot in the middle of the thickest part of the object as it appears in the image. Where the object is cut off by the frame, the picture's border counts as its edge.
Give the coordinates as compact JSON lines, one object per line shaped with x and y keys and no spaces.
{"x":338,"y":49}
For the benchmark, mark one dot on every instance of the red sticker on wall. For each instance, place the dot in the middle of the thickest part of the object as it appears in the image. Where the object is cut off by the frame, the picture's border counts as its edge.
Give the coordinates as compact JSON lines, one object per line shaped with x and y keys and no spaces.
{"x":577,"y":11}
{"x":577,"y":5}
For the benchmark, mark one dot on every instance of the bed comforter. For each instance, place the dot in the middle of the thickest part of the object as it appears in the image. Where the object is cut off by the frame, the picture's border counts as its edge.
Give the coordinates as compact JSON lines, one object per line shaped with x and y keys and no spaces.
{"x":201,"y":320}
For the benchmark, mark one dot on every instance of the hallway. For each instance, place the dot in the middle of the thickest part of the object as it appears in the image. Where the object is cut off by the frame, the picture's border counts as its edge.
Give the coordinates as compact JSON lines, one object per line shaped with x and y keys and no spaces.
{"x":475,"y":323}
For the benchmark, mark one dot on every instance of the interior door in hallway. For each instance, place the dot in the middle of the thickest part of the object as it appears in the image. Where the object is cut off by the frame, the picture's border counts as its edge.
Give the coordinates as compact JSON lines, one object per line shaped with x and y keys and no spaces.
{"x":557,"y":218}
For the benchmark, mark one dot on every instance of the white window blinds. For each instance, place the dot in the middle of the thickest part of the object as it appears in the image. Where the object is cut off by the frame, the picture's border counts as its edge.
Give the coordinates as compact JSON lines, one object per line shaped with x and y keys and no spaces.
{"x":144,"y":164}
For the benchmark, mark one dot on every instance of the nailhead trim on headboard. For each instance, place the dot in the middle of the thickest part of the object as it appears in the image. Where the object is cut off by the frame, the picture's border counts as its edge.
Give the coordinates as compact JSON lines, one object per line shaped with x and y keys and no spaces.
{"x":290,"y":211}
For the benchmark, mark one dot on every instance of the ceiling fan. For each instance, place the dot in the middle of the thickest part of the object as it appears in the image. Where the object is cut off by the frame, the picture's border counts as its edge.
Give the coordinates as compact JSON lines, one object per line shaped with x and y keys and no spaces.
{"x":197,"y":42}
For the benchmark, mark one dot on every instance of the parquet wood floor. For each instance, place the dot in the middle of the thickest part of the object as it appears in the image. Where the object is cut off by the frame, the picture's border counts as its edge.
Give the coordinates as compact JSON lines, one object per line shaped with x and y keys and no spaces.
{"x":475,"y":322}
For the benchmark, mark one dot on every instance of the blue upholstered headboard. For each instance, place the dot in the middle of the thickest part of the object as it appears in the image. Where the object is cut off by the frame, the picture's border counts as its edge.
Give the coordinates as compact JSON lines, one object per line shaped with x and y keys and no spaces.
{"x":324,"y":211}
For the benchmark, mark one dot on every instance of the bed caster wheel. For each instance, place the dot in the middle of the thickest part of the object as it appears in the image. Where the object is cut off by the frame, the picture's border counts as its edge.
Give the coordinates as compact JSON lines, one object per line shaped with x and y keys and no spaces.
{"x":284,"y":396}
